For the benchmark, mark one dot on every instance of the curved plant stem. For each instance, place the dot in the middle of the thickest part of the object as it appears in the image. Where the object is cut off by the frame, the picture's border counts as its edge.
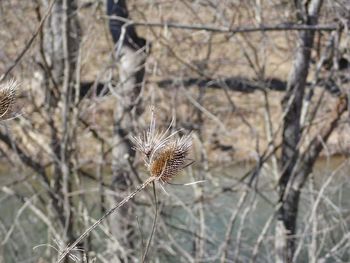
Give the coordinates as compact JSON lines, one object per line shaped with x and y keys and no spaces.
{"x":30,"y":42}
{"x":108,"y":213}
{"x":154,"y":223}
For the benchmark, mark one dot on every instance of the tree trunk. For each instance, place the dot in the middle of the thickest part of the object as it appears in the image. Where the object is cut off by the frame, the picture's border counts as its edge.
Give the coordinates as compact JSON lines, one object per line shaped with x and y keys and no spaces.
{"x":131,"y":55}
{"x":292,"y":103}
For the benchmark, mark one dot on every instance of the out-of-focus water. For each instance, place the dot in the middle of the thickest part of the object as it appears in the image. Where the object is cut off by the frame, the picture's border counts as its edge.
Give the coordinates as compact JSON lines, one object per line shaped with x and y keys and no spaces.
{"x":23,"y":230}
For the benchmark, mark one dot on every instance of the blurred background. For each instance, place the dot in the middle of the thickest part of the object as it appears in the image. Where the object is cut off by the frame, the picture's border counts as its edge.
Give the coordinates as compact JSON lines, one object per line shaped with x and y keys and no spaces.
{"x":263,"y":86}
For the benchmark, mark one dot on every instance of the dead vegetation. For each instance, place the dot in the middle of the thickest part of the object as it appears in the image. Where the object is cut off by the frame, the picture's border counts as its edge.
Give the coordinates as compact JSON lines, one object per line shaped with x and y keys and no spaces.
{"x":219,"y":69}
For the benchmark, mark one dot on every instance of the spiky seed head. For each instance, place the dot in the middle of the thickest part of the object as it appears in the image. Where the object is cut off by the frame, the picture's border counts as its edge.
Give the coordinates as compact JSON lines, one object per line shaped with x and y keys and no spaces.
{"x":165,"y":156}
{"x":170,"y":159}
{"x":7,"y":98}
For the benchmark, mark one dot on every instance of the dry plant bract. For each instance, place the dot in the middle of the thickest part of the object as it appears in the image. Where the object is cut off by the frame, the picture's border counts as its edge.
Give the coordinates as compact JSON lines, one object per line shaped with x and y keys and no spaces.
{"x":7,"y":98}
{"x":164,"y":155}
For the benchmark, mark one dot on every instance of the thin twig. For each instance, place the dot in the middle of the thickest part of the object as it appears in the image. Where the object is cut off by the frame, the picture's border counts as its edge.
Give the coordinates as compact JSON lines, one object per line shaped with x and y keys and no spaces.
{"x":154,"y":223}
{"x":30,"y":42}
{"x":111,"y":211}
{"x":262,"y":235}
{"x":242,"y":29}
{"x":228,"y":234}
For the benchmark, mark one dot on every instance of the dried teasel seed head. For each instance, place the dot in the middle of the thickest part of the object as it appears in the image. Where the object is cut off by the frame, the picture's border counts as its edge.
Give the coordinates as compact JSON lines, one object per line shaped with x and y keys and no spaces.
{"x":171,"y":159}
{"x":7,"y":98}
{"x":164,"y":155}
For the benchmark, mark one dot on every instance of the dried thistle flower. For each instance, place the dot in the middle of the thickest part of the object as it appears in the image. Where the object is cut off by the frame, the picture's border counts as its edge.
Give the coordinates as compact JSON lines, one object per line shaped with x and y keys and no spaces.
{"x":164,"y":155}
{"x":7,"y":98}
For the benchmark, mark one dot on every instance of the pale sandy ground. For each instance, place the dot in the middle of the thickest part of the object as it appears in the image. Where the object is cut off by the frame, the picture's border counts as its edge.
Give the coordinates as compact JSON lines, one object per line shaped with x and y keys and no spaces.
{"x":225,"y":133}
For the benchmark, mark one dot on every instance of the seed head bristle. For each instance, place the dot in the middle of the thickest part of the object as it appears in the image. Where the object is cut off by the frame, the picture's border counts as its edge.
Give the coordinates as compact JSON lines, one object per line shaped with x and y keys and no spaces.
{"x":146,"y":142}
{"x":160,"y":164}
{"x":7,"y":98}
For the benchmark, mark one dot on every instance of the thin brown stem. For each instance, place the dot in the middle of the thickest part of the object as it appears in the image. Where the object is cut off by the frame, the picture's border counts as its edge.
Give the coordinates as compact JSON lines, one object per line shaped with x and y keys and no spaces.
{"x":111,"y":211}
{"x":154,"y":223}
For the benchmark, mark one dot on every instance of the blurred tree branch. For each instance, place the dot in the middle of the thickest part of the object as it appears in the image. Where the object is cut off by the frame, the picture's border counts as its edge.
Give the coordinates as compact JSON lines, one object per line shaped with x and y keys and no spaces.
{"x":287,"y":26}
